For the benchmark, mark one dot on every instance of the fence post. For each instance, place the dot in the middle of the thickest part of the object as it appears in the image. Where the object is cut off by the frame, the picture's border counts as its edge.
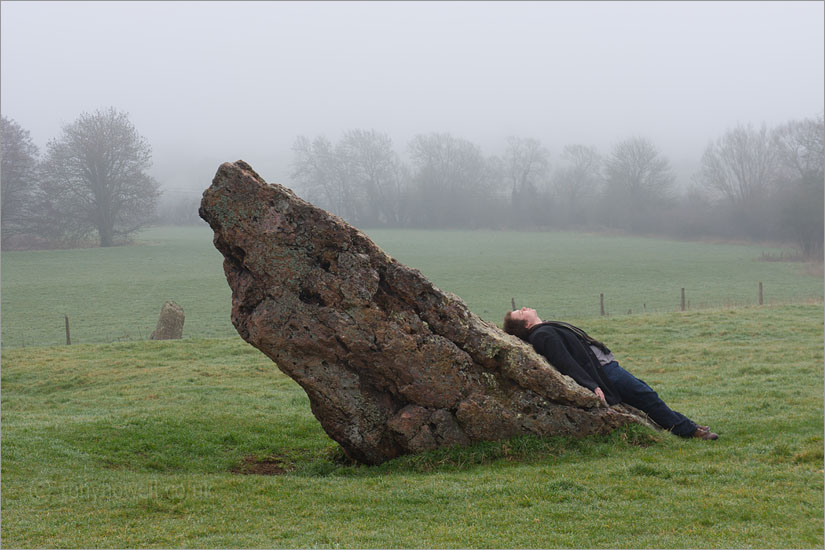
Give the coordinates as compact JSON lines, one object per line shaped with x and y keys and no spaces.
{"x":513,"y":303}
{"x":68,"y":337}
{"x":760,"y":293}
{"x":683,"y":299}
{"x":601,"y":302}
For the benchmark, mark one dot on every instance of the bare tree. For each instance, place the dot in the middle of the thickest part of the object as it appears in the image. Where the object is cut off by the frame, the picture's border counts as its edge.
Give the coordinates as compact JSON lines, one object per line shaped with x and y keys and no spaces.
{"x":638,"y":183}
{"x":526,"y":163}
{"x":801,"y":147}
{"x":18,"y":177}
{"x":359,"y":178}
{"x":636,"y":168}
{"x":373,"y":173}
{"x":317,"y":168}
{"x":452,"y":179}
{"x":577,"y":184}
{"x":801,"y":190}
{"x":94,"y":178}
{"x":742,"y":165}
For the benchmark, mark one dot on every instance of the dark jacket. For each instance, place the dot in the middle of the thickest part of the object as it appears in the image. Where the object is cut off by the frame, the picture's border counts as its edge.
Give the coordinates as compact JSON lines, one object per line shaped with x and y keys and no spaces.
{"x":568,"y":349}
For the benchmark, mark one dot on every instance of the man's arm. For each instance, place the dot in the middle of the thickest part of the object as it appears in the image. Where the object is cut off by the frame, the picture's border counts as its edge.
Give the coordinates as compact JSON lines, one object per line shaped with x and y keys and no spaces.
{"x":551,"y":347}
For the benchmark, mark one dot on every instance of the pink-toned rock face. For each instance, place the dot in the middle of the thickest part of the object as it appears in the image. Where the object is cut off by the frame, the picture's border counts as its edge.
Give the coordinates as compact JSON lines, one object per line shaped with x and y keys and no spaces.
{"x":391,"y":363}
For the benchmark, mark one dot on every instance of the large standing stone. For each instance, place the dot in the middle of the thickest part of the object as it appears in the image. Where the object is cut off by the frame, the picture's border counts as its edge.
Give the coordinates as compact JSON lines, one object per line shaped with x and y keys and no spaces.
{"x":170,"y":323}
{"x":391,"y":363}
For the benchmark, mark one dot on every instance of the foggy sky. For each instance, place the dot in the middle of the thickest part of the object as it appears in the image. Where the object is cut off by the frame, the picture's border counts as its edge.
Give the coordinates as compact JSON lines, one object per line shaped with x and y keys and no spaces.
{"x":208,"y":82}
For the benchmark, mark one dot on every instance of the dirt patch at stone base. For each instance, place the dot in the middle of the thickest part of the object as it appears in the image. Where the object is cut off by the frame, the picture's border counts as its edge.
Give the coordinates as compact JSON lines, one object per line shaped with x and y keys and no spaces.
{"x":267,"y":466}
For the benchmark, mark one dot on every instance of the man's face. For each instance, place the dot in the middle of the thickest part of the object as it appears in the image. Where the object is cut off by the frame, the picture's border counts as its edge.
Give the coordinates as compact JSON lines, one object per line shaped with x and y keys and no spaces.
{"x":527,"y":314}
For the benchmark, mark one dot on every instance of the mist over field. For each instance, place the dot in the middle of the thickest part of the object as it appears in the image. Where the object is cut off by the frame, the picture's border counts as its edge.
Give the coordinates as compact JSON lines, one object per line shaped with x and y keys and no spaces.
{"x":209,"y":82}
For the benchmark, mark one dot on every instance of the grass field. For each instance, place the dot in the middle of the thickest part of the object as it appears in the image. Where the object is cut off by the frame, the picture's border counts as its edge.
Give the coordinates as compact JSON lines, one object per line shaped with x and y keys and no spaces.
{"x":116,"y":441}
{"x":115,"y":294}
{"x":161,"y":444}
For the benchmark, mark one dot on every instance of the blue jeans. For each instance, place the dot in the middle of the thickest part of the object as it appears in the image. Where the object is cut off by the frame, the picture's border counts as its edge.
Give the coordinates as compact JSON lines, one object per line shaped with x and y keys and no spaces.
{"x":636,"y":393}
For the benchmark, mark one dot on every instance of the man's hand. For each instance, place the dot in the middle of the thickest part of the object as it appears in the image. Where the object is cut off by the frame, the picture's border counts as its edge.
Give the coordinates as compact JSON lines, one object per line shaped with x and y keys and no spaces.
{"x":600,"y":393}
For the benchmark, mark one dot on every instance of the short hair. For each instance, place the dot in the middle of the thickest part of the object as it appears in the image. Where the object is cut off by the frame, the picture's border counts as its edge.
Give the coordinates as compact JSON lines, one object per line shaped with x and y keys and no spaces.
{"x":516,"y":327}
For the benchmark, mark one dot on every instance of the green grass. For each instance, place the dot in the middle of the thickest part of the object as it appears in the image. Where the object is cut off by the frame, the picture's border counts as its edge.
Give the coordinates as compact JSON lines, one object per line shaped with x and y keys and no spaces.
{"x":120,"y":442}
{"x":144,"y":444}
{"x":115,"y":294}
{"x":562,"y":274}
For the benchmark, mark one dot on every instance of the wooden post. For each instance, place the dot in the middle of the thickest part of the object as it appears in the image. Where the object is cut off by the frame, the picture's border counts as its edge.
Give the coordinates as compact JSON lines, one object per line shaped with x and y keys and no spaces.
{"x":760,"y":293}
{"x":513,"y":303}
{"x":68,"y":337}
{"x":601,"y":302}
{"x":683,"y":299}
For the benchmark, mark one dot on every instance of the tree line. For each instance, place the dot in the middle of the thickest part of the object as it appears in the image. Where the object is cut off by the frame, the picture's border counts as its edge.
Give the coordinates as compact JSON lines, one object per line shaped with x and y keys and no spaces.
{"x":92,"y":181}
{"x":755,"y":183}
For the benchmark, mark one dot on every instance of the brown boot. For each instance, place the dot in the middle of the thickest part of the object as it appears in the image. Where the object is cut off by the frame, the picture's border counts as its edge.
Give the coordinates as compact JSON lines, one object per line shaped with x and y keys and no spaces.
{"x":703,"y":432}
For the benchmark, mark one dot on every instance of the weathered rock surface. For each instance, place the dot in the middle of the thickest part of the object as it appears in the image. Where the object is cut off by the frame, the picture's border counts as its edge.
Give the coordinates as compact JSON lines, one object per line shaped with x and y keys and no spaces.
{"x":170,"y":322}
{"x":391,"y":363}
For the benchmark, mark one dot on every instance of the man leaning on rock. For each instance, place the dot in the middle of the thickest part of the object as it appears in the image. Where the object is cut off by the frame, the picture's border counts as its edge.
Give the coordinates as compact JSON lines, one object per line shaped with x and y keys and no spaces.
{"x":590,"y":363}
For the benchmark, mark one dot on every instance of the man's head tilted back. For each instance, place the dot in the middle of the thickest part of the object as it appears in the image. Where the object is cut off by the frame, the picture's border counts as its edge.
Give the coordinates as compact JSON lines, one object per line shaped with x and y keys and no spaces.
{"x":519,"y":322}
